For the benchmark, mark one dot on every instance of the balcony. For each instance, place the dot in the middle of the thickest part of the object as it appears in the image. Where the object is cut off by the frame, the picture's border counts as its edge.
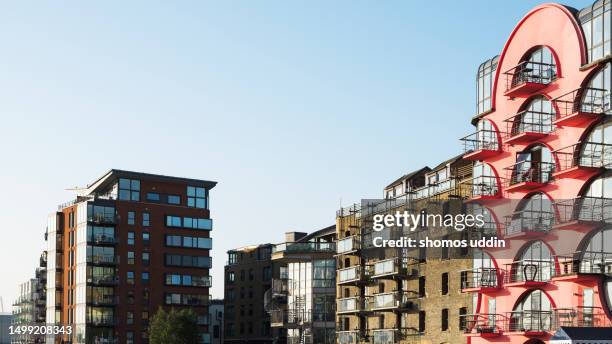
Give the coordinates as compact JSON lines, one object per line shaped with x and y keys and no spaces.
{"x":348,"y":337}
{"x":348,"y":245}
{"x":101,"y":240}
{"x":528,"y":126}
{"x":531,"y":323}
{"x":351,"y":275}
{"x":481,"y":145}
{"x":102,"y":321}
{"x":290,"y":318}
{"x":279,"y":288}
{"x":582,"y":160}
{"x":350,"y":305}
{"x":581,"y":106}
{"x":479,"y":280}
{"x":394,"y":268}
{"x":581,"y":317}
{"x":528,"y":77}
{"x":102,"y":219}
{"x":583,"y":213}
{"x":102,"y":260}
{"x":103,"y":300}
{"x":484,"y":325}
{"x":391,"y":301}
{"x":582,"y":265}
{"x":529,"y":224}
{"x":529,"y":273}
{"x":480,"y":189}
{"x":529,"y":175}
{"x":110,"y":280}
{"x":305,"y":247}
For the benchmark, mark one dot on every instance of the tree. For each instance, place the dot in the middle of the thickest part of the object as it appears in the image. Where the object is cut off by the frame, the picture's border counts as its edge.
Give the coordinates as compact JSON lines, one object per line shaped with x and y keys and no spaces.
{"x":174,"y":327}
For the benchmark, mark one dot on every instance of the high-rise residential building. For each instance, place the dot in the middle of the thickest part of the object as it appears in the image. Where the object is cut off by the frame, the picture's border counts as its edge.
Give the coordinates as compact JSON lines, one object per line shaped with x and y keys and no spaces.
{"x":215,"y":315}
{"x":30,"y":307}
{"x":401,"y":294}
{"x":128,"y":244}
{"x":543,"y":141}
{"x":301,"y":301}
{"x":248,"y":275}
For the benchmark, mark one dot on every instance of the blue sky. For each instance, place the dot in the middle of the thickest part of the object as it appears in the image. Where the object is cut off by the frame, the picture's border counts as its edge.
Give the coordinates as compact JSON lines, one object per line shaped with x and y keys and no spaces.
{"x":293,"y":107}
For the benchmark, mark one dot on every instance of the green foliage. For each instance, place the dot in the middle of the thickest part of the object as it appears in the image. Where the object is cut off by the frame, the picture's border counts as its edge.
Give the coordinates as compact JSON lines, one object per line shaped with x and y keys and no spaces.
{"x":174,"y":327}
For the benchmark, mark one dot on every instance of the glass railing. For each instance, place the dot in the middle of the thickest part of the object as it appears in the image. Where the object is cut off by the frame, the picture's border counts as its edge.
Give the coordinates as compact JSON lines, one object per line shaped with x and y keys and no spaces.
{"x":384,"y":336}
{"x":348,"y":337}
{"x":305,"y":247}
{"x":348,"y":244}
{"x":350,"y":274}
{"x":349,"y":304}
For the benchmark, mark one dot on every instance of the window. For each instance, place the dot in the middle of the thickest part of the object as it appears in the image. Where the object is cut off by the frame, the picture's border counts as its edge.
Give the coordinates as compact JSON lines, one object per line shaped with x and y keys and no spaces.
{"x":130,"y":297}
{"x":188,"y":241}
{"x":422,"y":316}
{"x":596,"y":25}
{"x":188,"y":261}
{"x":196,"y":197}
{"x":146,"y":219}
{"x":131,"y":218}
{"x":266,"y":273}
{"x":174,"y":199}
{"x":188,"y":280}
{"x":145,"y":238}
{"x":251,"y":275}
{"x":174,"y":221}
{"x":130,"y":257}
{"x":145,"y":316}
{"x":186,"y":299}
{"x":231,"y":276}
{"x":130,"y":238}
{"x":129,"y":337}
{"x":153,"y":196}
{"x":145,"y":277}
{"x":445,"y":283}
{"x":232,"y":258}
{"x":444,"y":320}
{"x":130,"y":318}
{"x":484,"y":85}
{"x":422,"y":286}
{"x":130,"y":277}
{"x":324,"y":273}
{"x":462,"y":318}
{"x":145,"y":258}
{"x":189,"y":222}
{"x":129,"y":189}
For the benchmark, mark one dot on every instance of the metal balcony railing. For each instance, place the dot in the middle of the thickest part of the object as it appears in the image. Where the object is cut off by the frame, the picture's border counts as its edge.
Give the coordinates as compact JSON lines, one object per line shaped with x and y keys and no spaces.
{"x":530,"y":271}
{"x":588,"y":262}
{"x":348,"y":244}
{"x":581,"y":317}
{"x":530,"y":321}
{"x":530,"y":171}
{"x":483,"y":186}
{"x":586,"y":100}
{"x":305,"y":247}
{"x":584,"y":154}
{"x":586,"y":209}
{"x":529,"y":121}
{"x":480,"y":140}
{"x":529,"y":221}
{"x":102,"y":218}
{"x":530,"y":72}
{"x":484,"y":323}
{"x":479,"y":278}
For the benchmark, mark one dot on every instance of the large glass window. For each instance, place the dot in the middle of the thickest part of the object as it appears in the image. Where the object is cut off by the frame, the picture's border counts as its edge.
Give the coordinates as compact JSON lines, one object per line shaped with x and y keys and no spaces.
{"x":484,"y":182}
{"x":596,"y":25}
{"x":129,"y":189}
{"x":532,"y":313}
{"x":535,"y":164}
{"x":536,"y":117}
{"x":484,"y":85}
{"x":324,"y":273}
{"x":196,"y":197}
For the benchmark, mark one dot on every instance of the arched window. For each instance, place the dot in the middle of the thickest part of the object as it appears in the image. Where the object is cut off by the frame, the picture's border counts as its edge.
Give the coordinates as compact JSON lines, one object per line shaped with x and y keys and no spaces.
{"x":484,"y":182}
{"x":484,"y":273}
{"x":535,"y":164}
{"x":532,"y":313}
{"x":537,"y":67}
{"x":597,"y":26}
{"x":490,"y":225}
{"x":596,"y":148}
{"x":534,"y":214}
{"x":596,"y":255}
{"x":534,"y":264}
{"x":487,"y":135}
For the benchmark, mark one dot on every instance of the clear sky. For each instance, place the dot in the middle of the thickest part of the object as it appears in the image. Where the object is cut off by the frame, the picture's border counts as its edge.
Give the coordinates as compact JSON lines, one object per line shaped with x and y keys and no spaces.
{"x":294,"y":107}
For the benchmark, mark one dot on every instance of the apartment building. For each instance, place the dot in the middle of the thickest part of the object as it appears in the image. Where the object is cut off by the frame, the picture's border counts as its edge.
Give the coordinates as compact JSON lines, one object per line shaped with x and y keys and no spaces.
{"x":129,"y":244}
{"x":301,"y":301}
{"x":543,"y":141}
{"x":248,"y":275}
{"x":30,"y":307}
{"x":402,"y":295}
{"x":215,"y":314}
{"x":6,"y":320}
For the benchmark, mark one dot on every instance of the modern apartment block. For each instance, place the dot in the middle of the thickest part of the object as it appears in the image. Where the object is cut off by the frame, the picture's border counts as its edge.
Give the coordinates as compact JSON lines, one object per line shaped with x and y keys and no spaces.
{"x":402,"y":295}
{"x":543,"y":139}
{"x":30,"y":307}
{"x":248,"y":275}
{"x":6,"y":320}
{"x":128,"y":244}
{"x":301,"y":301}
